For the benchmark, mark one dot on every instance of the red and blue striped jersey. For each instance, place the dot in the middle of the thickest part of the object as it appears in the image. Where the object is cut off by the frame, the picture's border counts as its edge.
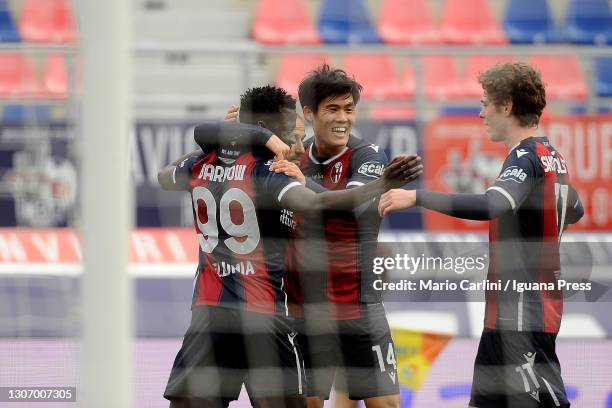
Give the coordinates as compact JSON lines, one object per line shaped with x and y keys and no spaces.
{"x":524,"y":243}
{"x":242,"y":231}
{"x":349,"y":238}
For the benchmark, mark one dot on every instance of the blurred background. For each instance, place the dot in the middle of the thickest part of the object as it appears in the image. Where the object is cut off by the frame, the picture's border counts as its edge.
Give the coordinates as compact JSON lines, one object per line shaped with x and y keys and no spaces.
{"x":418,"y":61}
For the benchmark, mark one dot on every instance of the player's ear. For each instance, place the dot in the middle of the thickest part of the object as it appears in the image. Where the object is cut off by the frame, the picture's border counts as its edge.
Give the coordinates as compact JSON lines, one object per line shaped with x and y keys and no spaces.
{"x":262,"y":124}
{"x":508,"y":107}
{"x":308,"y":114}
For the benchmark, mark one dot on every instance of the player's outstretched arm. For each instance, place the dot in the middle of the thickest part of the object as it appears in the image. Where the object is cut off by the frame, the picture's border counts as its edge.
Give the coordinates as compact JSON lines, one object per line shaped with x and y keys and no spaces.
{"x":166,"y":175}
{"x":211,"y":135}
{"x":478,"y":207}
{"x":400,"y":171}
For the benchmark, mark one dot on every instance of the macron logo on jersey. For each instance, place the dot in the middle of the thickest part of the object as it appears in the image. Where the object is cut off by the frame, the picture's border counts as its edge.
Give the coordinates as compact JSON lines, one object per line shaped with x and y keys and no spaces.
{"x":372,"y":169}
{"x":513,"y":173}
{"x":521,"y":152}
{"x":220,"y":174}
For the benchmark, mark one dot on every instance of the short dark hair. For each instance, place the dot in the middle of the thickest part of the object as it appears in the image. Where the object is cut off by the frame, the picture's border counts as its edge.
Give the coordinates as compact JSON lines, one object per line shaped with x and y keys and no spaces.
{"x":520,"y":84}
{"x":256,"y":103}
{"x":324,"y":82}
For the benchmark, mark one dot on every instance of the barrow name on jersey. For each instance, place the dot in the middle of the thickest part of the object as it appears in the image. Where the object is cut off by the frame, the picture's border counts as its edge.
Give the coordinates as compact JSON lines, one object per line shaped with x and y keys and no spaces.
{"x":242,"y":229}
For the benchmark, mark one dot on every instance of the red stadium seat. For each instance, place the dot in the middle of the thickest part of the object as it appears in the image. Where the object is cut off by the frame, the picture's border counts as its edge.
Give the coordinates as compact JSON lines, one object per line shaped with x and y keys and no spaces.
{"x":377,"y":74}
{"x":408,"y":79}
{"x":562,"y":75}
{"x":407,"y":22}
{"x":55,"y":78}
{"x":294,"y":67}
{"x":476,"y":64}
{"x":392,"y":112}
{"x":47,"y":21}
{"x":440,"y":77}
{"x":18,"y":77}
{"x":470,"y":22}
{"x":284,"y":22}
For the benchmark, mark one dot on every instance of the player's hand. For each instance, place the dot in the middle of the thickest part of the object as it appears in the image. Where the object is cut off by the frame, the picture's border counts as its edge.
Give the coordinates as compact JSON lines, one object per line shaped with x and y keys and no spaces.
{"x":232,"y":114}
{"x":396,"y":199}
{"x":402,"y":170}
{"x":290,"y":169}
{"x":278,"y":147}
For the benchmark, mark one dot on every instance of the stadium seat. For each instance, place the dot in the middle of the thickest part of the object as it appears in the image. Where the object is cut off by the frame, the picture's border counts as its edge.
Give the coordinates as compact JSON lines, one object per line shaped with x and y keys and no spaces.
{"x":18,"y":77}
{"x":407,"y":22}
{"x":8,"y":31}
{"x":460,"y":111}
{"x":377,"y":74}
{"x":345,"y":22}
{"x":589,"y":22}
{"x":392,"y":112}
{"x":562,"y":75}
{"x":408,"y":79}
{"x":476,"y":64}
{"x":440,"y":77}
{"x":470,"y":22}
{"x":47,"y":21}
{"x":284,"y":22}
{"x":603,"y":68}
{"x":55,"y":77}
{"x":294,"y":67}
{"x":530,"y":21}
{"x":20,"y":114}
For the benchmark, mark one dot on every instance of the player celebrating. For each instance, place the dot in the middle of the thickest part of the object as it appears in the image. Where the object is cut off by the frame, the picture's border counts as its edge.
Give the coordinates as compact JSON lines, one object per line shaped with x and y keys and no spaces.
{"x":529,"y":205}
{"x":239,"y":331}
{"x":345,"y":334}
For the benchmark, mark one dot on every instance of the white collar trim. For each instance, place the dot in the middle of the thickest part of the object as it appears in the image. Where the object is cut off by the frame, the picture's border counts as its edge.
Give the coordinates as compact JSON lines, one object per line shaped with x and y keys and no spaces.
{"x":331,"y":159}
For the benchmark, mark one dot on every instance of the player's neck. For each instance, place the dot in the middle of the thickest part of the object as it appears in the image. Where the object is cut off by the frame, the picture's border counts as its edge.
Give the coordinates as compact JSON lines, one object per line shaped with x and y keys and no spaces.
{"x":518,"y":134}
{"x":327,"y":151}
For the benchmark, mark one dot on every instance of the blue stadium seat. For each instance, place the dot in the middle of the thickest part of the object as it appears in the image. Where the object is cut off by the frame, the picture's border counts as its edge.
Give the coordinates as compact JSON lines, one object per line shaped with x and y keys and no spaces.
{"x":603,"y":67}
{"x":345,"y":22}
{"x":453,"y":111}
{"x":530,"y":21}
{"x":589,"y":22}
{"x":22,"y":114}
{"x":8,"y":30}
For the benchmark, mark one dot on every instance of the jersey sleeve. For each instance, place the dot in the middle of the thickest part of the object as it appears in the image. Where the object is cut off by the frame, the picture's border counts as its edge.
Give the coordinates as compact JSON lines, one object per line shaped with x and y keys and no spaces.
{"x":277,"y":184}
{"x":211,"y":135}
{"x":181,"y":174}
{"x":519,"y":174}
{"x":367,"y":164}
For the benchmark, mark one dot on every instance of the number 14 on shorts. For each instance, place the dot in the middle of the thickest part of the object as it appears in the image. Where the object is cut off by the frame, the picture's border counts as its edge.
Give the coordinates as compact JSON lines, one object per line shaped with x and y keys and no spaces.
{"x":377,"y":349}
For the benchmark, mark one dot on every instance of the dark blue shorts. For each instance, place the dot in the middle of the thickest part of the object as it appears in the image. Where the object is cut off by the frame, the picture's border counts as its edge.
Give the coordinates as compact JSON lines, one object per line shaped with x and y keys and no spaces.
{"x":517,"y":369}
{"x":357,"y":355}
{"x":224,"y":348}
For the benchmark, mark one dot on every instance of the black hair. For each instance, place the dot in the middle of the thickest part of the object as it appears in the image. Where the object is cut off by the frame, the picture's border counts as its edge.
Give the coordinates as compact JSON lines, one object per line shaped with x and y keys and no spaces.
{"x":257,"y":102}
{"x":324,"y":82}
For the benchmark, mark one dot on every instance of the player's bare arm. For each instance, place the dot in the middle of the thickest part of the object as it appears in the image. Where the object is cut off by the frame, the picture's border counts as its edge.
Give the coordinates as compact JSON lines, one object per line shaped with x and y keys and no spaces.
{"x":165,"y":176}
{"x":402,"y":170}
